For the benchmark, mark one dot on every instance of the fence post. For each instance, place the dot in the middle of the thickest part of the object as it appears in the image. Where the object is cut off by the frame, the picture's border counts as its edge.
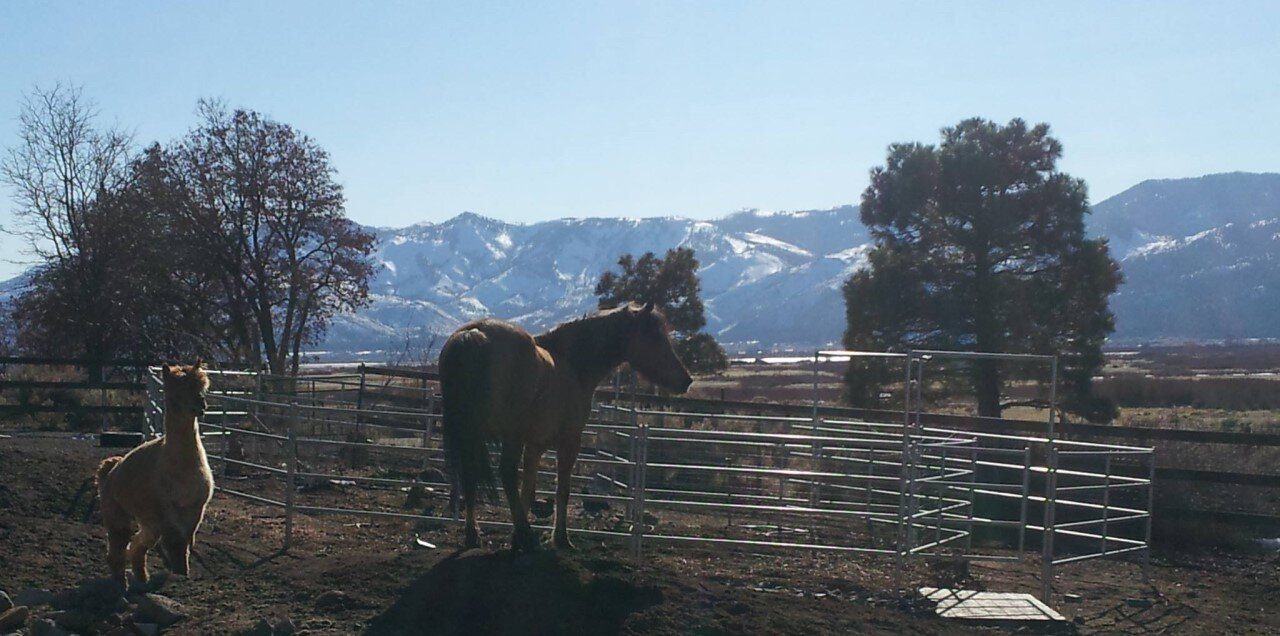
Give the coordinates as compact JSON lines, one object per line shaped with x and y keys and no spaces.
{"x":635,"y":461}
{"x":153,"y":404}
{"x":1050,"y":502}
{"x":1151,"y":511}
{"x":290,"y":478}
{"x":360,"y":395}
{"x":1026,"y":493}
{"x":1106,"y":500}
{"x":1053,"y":398}
{"x":814,"y":487}
{"x":254,"y":412}
{"x":642,"y":460}
{"x":904,"y":478}
{"x":100,"y":372}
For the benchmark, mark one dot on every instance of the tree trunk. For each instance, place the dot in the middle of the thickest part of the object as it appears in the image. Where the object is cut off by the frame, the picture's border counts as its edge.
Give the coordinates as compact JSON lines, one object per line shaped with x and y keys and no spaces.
{"x":986,"y":384}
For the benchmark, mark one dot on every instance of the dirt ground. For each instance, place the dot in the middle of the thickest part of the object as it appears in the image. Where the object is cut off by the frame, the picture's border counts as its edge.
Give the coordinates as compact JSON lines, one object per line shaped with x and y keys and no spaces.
{"x":347,"y":575}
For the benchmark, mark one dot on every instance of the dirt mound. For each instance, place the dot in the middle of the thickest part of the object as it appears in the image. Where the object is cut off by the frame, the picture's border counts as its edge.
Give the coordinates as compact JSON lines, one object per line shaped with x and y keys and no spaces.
{"x":479,"y":592}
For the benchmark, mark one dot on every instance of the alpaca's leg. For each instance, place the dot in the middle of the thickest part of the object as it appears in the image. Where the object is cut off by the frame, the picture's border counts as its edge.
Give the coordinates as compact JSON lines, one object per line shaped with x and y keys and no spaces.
{"x":566,"y":455}
{"x":141,"y":542}
{"x":195,"y":527}
{"x":176,"y":545}
{"x":198,"y":517}
{"x":508,"y":469}
{"x":117,"y":544}
{"x":116,"y":521}
{"x":529,"y":476}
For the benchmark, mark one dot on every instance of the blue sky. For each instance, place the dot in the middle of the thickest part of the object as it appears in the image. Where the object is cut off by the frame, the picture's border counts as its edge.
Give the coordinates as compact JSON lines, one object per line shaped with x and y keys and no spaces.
{"x":526,"y":112}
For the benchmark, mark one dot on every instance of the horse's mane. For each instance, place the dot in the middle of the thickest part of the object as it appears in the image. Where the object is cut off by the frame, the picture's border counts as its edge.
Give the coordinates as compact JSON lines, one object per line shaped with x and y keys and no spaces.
{"x":593,"y":342}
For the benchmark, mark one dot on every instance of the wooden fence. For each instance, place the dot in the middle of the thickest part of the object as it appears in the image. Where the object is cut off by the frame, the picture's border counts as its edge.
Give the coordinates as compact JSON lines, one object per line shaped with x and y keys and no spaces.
{"x":98,"y":376}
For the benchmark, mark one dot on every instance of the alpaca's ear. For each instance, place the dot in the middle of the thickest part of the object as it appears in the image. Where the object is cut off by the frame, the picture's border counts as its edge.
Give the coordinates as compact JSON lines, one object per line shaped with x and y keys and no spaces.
{"x":199,"y":364}
{"x":167,"y":369}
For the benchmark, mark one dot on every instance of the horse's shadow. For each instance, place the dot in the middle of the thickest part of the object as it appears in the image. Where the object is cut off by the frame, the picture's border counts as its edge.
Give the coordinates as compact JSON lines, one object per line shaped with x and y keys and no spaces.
{"x":478,"y":592}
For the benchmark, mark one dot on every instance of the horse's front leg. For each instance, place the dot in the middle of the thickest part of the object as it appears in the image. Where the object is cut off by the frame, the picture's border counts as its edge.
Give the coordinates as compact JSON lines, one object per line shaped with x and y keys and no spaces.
{"x":566,"y":456}
{"x":529,"y":475}
{"x":523,"y":537}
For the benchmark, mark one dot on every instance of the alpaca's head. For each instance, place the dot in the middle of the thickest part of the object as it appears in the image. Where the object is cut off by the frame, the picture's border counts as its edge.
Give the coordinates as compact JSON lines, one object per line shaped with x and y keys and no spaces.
{"x":185,"y":387}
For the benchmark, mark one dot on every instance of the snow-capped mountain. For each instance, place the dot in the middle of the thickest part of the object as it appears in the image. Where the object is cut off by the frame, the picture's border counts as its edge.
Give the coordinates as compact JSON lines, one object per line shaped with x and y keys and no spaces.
{"x":1201,"y":260}
{"x":1201,"y":257}
{"x":771,"y":278}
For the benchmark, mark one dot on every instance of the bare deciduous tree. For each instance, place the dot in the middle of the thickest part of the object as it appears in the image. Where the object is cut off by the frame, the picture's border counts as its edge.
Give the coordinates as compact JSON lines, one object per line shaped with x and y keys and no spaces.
{"x":262,"y":206}
{"x":60,"y":166}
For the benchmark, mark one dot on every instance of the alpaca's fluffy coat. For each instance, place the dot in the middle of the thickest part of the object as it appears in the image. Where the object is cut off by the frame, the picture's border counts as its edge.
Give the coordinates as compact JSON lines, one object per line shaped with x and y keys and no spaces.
{"x":162,"y":485}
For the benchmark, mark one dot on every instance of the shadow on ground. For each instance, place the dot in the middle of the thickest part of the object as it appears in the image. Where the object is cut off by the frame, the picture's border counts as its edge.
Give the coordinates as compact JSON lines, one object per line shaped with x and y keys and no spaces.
{"x":479,"y":592}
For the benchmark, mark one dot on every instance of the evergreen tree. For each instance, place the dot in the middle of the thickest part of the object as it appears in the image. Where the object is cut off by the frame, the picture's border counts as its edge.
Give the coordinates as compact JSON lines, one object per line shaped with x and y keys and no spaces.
{"x":980,"y":245}
{"x":671,"y":283}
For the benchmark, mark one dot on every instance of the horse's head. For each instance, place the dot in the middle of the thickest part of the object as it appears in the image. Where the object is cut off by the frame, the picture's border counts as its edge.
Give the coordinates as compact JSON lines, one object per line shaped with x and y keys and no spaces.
{"x":651,"y":352}
{"x":185,"y":387}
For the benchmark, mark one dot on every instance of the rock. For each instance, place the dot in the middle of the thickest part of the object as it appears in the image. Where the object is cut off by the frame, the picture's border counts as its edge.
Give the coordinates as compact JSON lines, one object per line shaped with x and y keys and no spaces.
{"x":416,"y":497}
{"x":96,"y":594}
{"x":161,"y":610}
{"x":6,"y":603}
{"x":73,"y":620}
{"x":263,"y":628}
{"x":14,"y":618}
{"x":144,"y":629}
{"x":433,"y":476}
{"x":46,"y":627}
{"x":332,"y":600}
{"x":32,"y":597}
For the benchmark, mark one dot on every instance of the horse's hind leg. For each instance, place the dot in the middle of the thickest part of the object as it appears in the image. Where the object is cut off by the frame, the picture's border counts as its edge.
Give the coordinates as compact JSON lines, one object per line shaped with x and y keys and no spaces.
{"x":523,"y":537}
{"x":471,"y":532}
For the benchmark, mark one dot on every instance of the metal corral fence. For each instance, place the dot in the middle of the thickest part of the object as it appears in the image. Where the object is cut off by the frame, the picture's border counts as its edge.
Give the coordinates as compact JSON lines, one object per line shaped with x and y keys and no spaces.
{"x":652,"y":475}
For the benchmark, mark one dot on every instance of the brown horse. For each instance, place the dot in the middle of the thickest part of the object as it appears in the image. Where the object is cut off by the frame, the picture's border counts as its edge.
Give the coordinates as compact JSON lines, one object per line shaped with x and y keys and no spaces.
{"x":501,"y":386}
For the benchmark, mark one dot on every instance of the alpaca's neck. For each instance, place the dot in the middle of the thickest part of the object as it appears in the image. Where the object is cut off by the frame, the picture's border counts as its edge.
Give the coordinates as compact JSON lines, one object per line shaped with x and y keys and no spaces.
{"x":182,"y":437}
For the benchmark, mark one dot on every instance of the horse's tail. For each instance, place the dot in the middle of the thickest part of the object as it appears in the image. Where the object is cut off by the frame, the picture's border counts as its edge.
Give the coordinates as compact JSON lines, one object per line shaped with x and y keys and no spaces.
{"x":465,"y":393}
{"x":104,"y":468}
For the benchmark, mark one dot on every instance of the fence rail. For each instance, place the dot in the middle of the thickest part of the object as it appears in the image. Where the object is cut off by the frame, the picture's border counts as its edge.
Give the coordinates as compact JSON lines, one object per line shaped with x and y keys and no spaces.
{"x":1070,"y":430}
{"x":805,"y":412}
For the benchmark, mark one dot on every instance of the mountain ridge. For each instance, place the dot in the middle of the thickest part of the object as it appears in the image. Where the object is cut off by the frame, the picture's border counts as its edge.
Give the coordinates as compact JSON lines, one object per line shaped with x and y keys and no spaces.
{"x":1201,"y":258}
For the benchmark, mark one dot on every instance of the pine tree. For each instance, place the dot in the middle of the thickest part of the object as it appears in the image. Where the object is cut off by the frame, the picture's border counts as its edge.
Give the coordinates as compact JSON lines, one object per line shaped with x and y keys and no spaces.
{"x":980,"y":245}
{"x":671,"y":283}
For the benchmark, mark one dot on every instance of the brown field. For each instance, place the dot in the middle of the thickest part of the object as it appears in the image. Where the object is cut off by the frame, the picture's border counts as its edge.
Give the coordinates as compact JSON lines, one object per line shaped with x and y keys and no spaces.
{"x":348,"y":575}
